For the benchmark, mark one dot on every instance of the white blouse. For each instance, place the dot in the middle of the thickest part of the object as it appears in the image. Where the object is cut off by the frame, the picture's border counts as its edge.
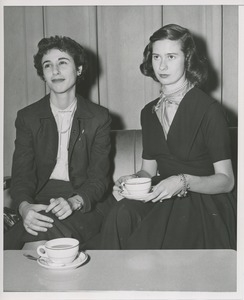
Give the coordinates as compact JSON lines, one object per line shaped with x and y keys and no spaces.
{"x":64,"y":119}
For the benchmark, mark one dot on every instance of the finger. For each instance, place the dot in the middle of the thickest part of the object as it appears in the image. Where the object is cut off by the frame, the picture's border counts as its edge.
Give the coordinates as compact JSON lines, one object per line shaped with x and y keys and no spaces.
{"x":117,"y":184}
{"x":40,"y":207}
{"x":35,"y":228}
{"x":53,"y":203}
{"x":57,"y":209}
{"x":43,"y":224}
{"x":32,"y":232}
{"x":63,"y":210}
{"x":152,"y":196}
{"x":38,"y":225}
{"x":156,"y":200}
{"x":44,"y":218}
{"x":116,"y":188}
{"x":161,"y":198}
{"x":65,"y":215}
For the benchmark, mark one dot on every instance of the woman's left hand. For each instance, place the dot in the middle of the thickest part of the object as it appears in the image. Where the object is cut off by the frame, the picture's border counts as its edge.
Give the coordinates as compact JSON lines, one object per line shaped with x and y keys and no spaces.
{"x":165,"y":189}
{"x":60,"y":207}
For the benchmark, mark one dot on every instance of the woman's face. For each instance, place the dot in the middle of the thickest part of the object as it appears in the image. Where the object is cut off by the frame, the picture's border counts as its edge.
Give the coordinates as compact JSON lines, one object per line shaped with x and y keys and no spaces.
{"x":59,"y":71}
{"x":168,"y":63}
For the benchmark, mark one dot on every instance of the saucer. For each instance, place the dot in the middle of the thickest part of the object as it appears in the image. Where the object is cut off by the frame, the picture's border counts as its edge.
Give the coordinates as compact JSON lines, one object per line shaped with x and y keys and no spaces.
{"x":140,"y":197}
{"x":81,"y":258}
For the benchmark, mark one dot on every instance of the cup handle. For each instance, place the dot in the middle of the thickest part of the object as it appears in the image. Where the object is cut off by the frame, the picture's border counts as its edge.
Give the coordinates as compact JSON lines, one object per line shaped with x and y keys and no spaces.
{"x":41,"y":250}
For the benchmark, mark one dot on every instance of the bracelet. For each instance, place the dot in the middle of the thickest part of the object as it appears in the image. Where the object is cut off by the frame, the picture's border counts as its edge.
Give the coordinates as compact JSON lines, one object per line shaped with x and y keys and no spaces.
{"x":185,"y":188}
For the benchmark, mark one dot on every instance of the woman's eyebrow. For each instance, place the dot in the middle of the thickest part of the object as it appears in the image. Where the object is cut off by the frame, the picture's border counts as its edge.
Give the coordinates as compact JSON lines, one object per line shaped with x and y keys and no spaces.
{"x":45,"y":61}
{"x":169,"y":53}
{"x":63,"y":58}
{"x":60,"y":58}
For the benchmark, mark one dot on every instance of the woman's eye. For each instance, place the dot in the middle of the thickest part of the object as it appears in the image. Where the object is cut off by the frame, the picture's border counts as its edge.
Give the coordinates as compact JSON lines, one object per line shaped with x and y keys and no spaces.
{"x":156,"y":57}
{"x":46,"y":66}
{"x":170,"y":57}
{"x":63,"y":62}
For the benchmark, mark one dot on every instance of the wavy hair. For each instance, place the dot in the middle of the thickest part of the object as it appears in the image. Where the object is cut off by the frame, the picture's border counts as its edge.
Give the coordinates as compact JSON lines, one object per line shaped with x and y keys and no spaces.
{"x":195,"y":66}
{"x":62,"y":43}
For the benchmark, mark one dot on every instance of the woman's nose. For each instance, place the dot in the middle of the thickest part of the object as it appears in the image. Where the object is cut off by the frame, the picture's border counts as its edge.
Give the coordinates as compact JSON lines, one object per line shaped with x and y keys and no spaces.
{"x":163,"y":65}
{"x":55,"y":69}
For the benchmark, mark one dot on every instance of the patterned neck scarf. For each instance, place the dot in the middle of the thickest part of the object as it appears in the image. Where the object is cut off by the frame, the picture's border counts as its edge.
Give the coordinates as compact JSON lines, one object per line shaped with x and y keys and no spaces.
{"x":168,"y":104}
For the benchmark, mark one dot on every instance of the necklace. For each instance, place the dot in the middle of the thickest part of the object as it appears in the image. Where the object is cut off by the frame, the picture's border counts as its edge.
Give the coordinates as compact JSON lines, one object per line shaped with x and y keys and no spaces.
{"x":64,"y":117}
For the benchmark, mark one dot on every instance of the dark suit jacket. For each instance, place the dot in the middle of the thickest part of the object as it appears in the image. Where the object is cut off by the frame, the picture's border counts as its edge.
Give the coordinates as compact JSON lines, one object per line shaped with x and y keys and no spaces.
{"x":36,"y":147}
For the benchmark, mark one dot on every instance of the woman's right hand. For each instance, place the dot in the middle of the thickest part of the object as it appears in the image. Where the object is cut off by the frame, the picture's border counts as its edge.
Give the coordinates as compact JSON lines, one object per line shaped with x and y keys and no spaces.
{"x":33,"y":221}
{"x":119,"y":183}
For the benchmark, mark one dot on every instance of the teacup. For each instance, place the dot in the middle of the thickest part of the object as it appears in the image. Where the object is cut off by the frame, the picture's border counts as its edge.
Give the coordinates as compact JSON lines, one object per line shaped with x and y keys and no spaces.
{"x":60,"y":251}
{"x":136,"y":186}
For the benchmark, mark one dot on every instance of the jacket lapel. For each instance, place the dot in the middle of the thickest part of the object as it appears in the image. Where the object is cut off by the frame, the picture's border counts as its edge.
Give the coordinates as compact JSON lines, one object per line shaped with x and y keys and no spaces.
{"x":81,"y":118}
{"x":47,"y":135}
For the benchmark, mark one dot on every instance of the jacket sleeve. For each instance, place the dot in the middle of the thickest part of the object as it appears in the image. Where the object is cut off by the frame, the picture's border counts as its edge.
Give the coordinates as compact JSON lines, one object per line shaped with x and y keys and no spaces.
{"x":96,"y":184}
{"x":23,"y":182}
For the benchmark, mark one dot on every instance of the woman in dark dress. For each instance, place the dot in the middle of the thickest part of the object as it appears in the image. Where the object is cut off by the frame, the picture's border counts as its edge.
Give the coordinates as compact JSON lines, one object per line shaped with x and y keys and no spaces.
{"x":186,"y":152}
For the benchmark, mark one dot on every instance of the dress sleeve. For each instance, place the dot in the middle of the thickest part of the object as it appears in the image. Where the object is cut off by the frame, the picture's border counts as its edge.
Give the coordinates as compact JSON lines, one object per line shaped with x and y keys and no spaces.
{"x":216,"y":133}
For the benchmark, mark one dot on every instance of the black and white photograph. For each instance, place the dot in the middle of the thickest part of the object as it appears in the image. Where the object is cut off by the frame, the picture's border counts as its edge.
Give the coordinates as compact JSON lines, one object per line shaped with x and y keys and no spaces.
{"x":121,"y":150}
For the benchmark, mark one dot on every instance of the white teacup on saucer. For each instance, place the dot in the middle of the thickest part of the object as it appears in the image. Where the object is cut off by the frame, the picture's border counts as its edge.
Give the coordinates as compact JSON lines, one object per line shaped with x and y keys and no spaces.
{"x":59,"y":251}
{"x":137,"y":186}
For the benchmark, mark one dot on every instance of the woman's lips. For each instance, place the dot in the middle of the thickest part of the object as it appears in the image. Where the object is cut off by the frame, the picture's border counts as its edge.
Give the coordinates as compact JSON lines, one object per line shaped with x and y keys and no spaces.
{"x":57,"y":80}
{"x":164,"y":75}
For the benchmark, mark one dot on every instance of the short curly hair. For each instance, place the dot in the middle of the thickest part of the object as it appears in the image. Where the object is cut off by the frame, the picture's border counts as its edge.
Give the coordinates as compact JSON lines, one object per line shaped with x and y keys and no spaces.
{"x":62,"y":43}
{"x":195,"y":66}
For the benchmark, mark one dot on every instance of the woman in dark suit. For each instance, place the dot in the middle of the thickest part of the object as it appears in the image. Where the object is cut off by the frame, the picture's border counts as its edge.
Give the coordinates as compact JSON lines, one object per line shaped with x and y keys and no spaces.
{"x":60,"y":163}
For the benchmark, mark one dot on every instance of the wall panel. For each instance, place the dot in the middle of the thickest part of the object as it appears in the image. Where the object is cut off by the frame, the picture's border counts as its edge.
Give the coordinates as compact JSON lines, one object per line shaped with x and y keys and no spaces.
{"x":121,"y":41}
{"x":230,"y":62}
{"x":205,"y":24}
{"x":78,"y":23}
{"x":22,"y":86}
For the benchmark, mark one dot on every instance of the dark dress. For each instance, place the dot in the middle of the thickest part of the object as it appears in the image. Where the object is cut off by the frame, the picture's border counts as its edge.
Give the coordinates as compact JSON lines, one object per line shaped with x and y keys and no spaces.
{"x":197,"y":138}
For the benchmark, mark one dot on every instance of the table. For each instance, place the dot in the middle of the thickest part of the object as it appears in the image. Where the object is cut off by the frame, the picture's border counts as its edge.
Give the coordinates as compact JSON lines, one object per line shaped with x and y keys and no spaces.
{"x":126,"y":270}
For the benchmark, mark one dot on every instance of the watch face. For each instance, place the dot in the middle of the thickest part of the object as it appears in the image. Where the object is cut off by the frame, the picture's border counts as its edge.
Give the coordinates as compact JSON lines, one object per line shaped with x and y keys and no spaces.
{"x":79,"y":207}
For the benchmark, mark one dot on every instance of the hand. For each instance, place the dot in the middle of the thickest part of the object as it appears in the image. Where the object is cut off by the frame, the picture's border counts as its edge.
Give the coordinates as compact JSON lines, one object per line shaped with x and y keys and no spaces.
{"x":76,"y":202}
{"x":60,"y":207}
{"x":119,"y":183}
{"x":33,"y":221}
{"x":165,"y":189}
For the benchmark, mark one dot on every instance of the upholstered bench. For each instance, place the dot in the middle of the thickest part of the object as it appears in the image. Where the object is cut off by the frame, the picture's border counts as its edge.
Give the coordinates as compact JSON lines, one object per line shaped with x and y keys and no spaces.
{"x":126,"y":155}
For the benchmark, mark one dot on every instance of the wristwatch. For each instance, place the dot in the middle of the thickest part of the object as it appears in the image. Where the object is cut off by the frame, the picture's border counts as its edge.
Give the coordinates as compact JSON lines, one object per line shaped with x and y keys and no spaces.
{"x":79,"y":202}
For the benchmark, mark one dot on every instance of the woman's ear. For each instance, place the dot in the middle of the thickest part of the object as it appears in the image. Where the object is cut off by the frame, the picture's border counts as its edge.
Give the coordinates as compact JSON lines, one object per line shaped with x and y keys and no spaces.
{"x":79,"y":71}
